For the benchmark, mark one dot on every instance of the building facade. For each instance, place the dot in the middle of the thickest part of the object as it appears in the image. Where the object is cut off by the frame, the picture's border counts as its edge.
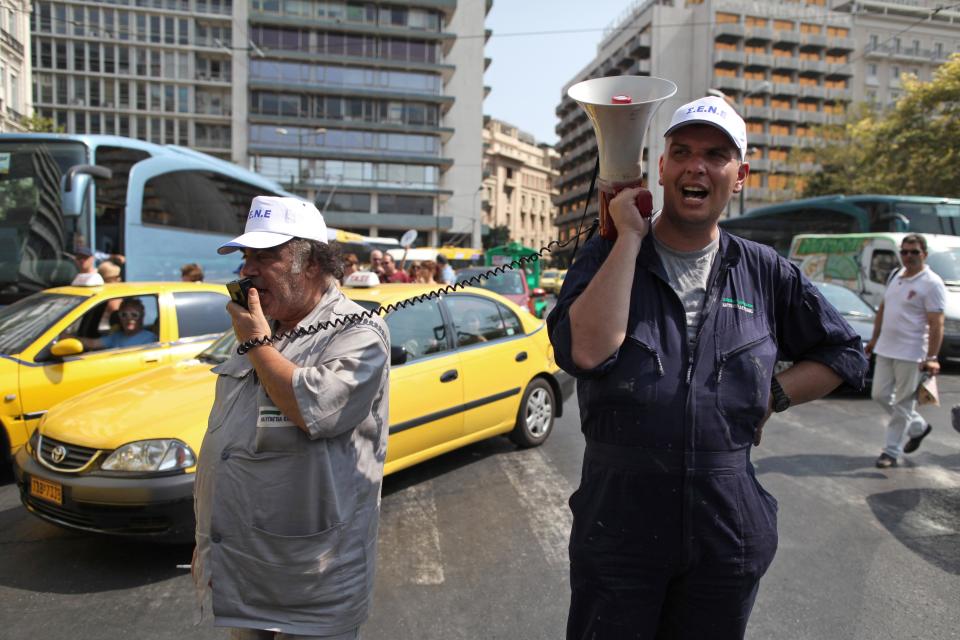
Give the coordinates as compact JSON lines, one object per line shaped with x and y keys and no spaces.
{"x":888,"y":51}
{"x":158,"y":70}
{"x":15,"y":72}
{"x":518,"y":189}
{"x":786,"y":65}
{"x":371,"y":109}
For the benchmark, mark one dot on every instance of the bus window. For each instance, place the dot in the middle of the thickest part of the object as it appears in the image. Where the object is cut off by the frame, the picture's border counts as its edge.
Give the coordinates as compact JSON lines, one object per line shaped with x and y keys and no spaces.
{"x":176,"y":199}
{"x":111,"y":196}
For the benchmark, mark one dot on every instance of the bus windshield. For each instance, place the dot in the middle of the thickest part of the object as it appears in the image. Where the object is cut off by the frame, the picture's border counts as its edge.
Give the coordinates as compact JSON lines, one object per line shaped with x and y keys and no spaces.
{"x":34,"y":235}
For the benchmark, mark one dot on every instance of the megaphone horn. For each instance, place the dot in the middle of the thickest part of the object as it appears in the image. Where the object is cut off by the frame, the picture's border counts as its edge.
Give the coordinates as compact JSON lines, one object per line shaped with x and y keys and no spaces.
{"x":620,"y":108}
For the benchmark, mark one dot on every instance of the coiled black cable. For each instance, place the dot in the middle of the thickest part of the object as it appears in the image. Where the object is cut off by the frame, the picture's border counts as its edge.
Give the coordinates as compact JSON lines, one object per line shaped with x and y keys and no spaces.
{"x":313,"y":329}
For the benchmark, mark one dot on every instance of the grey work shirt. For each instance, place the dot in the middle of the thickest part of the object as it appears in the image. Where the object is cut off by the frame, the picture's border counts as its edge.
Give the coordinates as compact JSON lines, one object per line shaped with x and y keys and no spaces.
{"x":286,"y":521}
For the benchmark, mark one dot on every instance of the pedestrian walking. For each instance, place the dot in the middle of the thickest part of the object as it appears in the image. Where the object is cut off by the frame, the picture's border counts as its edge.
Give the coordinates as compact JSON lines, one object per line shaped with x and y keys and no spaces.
{"x":672,"y":331}
{"x":907,"y":334}
{"x":287,"y":495}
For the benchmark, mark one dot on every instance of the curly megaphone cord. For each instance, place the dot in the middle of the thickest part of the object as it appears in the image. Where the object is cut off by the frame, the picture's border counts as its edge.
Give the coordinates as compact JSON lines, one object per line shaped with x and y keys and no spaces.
{"x":436,"y":293}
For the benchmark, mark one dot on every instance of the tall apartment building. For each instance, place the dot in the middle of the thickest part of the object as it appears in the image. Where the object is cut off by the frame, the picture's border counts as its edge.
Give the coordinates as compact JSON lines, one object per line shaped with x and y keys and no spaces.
{"x":373,"y":109}
{"x":888,"y":51}
{"x":518,"y":189}
{"x":15,"y":102}
{"x":159,"y":70}
{"x":785,"y":64}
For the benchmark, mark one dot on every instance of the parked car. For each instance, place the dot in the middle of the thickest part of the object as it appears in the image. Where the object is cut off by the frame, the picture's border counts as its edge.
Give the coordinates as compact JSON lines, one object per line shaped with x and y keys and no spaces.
{"x":511,"y":284}
{"x":863,"y":262}
{"x":857,"y":312}
{"x":121,"y":459}
{"x":552,"y":279}
{"x":43,"y":362}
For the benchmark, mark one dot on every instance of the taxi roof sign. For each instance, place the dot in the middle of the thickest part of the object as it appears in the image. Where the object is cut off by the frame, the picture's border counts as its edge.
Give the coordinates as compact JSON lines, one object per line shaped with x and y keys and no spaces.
{"x":362,"y":279}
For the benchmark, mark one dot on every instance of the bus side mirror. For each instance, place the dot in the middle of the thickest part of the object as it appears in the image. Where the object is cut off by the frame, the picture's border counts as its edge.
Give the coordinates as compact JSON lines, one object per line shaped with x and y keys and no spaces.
{"x":75,"y":185}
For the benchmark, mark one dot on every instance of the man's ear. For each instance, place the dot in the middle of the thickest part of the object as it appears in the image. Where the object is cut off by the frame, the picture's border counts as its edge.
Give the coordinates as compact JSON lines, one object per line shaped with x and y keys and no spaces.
{"x":742,"y":172}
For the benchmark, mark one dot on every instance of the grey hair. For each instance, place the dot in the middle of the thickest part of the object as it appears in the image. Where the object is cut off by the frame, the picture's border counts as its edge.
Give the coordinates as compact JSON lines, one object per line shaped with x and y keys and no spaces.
{"x":324,"y":255}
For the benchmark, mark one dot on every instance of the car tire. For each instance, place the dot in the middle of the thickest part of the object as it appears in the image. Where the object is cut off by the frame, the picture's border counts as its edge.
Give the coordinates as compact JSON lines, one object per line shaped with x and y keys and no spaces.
{"x":536,"y":415}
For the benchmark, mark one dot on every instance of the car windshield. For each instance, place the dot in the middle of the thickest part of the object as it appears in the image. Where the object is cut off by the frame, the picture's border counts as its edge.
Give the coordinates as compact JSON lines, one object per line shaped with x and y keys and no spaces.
{"x":26,"y":320}
{"x":946,"y":264}
{"x":508,"y":283}
{"x":846,"y":302}
{"x":221,"y":350}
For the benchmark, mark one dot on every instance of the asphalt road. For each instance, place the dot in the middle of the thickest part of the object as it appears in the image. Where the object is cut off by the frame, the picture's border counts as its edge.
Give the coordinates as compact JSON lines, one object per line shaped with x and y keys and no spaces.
{"x":473,"y":544}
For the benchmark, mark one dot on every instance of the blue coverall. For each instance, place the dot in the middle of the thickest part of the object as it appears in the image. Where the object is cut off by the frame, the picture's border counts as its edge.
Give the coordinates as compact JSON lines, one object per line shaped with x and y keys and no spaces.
{"x":671,"y":529}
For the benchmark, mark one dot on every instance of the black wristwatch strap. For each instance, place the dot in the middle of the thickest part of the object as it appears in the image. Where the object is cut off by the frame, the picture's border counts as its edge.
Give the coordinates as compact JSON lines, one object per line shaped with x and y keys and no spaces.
{"x":781,"y":401}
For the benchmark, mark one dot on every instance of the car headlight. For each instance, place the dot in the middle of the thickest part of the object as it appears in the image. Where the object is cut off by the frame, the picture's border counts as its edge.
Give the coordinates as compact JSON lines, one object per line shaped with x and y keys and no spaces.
{"x":34,"y":442}
{"x":150,"y":455}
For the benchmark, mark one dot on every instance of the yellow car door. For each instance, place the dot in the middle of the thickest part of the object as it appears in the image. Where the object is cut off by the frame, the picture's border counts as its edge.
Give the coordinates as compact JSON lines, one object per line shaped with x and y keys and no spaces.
{"x":495,"y":359}
{"x":426,"y":392}
{"x":48,"y":379}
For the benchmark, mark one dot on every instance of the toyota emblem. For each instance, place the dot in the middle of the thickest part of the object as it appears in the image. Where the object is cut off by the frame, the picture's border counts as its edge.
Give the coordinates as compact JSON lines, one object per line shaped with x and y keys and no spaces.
{"x":58,"y":454}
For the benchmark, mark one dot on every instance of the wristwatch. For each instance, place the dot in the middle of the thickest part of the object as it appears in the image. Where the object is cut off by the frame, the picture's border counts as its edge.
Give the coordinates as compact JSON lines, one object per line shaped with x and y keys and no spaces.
{"x":781,"y":401}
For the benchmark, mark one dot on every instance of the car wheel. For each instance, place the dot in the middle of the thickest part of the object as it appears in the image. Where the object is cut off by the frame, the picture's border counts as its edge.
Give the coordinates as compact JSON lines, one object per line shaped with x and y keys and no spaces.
{"x":535,"y":417}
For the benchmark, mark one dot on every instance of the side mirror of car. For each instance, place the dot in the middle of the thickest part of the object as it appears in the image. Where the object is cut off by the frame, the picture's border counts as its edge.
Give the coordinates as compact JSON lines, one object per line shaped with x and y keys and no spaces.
{"x":538,"y":292}
{"x":67,"y":347}
{"x":398,"y":355}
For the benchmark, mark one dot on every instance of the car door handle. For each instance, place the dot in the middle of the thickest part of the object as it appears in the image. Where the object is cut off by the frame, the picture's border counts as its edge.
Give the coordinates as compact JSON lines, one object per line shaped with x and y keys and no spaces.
{"x":449,"y":376}
{"x":521,"y":356}
{"x":151,"y":359}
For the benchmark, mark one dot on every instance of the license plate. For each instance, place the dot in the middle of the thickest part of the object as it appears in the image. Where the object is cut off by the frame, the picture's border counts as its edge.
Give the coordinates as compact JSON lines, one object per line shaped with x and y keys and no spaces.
{"x":50,"y":491}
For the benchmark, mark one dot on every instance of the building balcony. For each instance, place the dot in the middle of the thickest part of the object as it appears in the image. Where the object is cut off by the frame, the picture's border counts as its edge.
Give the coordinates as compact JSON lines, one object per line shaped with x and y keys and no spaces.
{"x":786,"y":115}
{"x":783,"y":141}
{"x":839,"y":69}
{"x":761,"y":139}
{"x":728,"y":83}
{"x":814,"y":66}
{"x":762,"y":113}
{"x":728,"y":57}
{"x":785,"y":89}
{"x":8,"y":40}
{"x":759,"y":164}
{"x":398,"y":221}
{"x":787,"y":37}
{"x":840,"y":95}
{"x":759,"y":60}
{"x":807,"y":91}
{"x":790,"y":63}
{"x":639,"y":46}
{"x":813,"y":40}
{"x":765,"y":34}
{"x":841,"y":45}
{"x":728,"y":30}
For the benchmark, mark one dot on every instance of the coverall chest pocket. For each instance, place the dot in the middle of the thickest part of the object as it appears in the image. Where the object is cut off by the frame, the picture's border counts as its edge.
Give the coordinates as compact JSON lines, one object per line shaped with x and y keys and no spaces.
{"x":746,"y":353}
{"x":639,"y":368}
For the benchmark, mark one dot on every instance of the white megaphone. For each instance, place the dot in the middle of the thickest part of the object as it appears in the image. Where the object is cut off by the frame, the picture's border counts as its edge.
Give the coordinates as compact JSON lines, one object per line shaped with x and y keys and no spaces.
{"x":620,"y":108}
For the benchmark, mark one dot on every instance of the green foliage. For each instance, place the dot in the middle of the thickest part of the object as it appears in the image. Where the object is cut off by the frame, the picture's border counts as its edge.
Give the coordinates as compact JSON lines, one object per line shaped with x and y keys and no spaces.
{"x":498,"y":235}
{"x":39,"y":124}
{"x":912,"y":149}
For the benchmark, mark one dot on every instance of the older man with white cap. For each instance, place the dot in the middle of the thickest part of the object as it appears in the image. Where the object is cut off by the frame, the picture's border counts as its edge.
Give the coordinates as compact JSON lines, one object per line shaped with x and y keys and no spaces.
{"x":673,"y":336}
{"x":287,"y":495}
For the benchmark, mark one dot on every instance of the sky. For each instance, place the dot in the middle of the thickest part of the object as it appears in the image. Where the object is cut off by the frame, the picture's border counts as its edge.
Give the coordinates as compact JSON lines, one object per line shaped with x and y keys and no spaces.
{"x":527,"y":72}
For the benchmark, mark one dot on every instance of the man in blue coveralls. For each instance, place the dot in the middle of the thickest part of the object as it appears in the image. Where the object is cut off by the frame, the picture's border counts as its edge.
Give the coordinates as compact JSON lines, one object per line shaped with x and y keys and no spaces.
{"x":673,"y":336}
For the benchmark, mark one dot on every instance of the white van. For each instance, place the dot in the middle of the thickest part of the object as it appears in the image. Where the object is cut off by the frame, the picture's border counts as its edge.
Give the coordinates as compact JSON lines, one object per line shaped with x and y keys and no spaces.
{"x":863,"y":262}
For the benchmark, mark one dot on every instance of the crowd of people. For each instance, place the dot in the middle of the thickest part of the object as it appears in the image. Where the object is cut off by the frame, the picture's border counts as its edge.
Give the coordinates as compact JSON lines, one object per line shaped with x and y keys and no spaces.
{"x":385,"y":266}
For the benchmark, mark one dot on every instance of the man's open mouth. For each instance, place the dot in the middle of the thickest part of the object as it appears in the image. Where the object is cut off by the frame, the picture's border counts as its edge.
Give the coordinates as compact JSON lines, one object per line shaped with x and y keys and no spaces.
{"x":694,"y":193}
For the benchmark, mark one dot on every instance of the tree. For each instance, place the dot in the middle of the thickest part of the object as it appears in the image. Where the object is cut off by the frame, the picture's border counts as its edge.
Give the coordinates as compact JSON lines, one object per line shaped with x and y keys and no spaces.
{"x":39,"y":124}
{"x":497,"y":236}
{"x":912,"y":149}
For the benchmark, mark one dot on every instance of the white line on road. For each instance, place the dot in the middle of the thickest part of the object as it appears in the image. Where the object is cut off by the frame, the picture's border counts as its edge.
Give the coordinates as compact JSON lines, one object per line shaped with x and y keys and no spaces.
{"x":543,"y":492}
{"x":410,"y":536}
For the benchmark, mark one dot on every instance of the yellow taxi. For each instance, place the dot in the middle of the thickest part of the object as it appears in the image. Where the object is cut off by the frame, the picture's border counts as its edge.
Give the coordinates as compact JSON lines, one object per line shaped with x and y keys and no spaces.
{"x":60,"y":342}
{"x":552,"y":279}
{"x":464,"y":367}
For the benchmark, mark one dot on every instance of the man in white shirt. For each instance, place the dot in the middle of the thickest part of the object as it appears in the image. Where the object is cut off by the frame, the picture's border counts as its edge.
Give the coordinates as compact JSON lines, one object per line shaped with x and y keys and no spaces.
{"x":87,"y":275}
{"x":907,"y":334}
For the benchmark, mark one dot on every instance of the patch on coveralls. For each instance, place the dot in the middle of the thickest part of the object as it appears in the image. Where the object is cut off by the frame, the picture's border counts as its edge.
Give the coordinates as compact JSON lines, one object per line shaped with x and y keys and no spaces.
{"x":740,"y":305}
{"x":272,"y":417}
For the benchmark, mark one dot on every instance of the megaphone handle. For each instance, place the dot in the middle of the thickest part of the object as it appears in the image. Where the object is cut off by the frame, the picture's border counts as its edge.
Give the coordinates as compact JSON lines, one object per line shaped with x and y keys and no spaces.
{"x":609,"y":190}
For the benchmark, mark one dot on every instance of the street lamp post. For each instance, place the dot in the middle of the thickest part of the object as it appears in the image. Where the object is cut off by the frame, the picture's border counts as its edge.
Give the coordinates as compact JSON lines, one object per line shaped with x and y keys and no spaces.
{"x":475,"y":240}
{"x":284,"y":132}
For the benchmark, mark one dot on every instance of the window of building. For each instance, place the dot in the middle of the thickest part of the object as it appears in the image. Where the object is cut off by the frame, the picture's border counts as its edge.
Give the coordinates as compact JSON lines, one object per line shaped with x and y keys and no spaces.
{"x":417,"y":205}
{"x":783,"y":25}
{"x":723,"y":17}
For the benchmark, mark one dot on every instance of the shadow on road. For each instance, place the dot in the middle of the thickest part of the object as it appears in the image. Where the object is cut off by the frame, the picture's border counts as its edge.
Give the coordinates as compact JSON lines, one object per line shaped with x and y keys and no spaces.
{"x":926,"y":521}
{"x":70,"y":562}
{"x":805,"y":465}
{"x":445,"y":464}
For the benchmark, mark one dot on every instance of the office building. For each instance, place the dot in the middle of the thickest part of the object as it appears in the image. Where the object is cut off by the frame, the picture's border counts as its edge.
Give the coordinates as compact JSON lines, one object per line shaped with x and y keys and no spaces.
{"x":158,"y":70}
{"x":372,"y":109}
{"x":15,"y":102}
{"x":518,"y":187}
{"x":787,"y":66}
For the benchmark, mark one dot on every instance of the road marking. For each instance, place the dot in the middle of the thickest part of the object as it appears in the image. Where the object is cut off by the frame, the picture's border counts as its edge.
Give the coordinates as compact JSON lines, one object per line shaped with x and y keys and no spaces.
{"x":410,"y":536}
{"x":543,"y":492}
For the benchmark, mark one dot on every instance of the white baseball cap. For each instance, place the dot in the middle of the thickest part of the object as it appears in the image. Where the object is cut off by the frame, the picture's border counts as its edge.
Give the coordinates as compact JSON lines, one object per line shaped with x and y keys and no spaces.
{"x":274,"y":220}
{"x":714,"y":111}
